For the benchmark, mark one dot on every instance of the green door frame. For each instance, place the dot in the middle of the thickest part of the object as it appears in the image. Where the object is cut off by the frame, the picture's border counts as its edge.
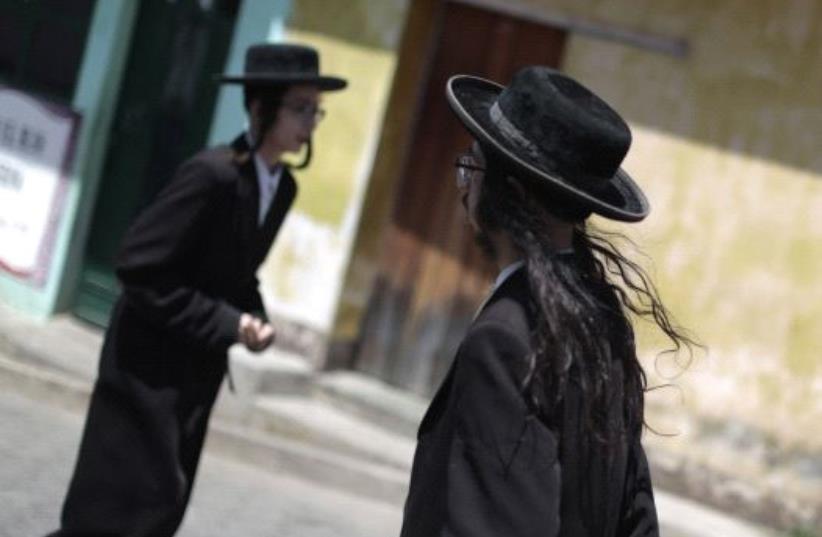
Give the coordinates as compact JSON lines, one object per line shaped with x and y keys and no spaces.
{"x":97,"y":85}
{"x":95,"y":98}
{"x":163,"y":115}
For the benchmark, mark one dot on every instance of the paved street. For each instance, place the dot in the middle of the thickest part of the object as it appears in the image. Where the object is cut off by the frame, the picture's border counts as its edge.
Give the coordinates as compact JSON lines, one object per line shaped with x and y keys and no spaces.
{"x":38,"y":443}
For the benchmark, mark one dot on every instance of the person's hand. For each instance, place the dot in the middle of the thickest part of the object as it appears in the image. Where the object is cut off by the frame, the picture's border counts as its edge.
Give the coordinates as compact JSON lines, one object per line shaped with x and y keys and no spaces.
{"x":265,"y":336}
{"x":255,"y":334}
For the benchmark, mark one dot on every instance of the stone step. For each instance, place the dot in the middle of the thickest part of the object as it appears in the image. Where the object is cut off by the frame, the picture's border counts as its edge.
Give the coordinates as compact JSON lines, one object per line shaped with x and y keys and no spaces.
{"x":371,"y":399}
{"x":272,"y":371}
{"x":282,"y":455}
{"x":244,"y":439}
{"x":278,"y":373}
{"x":319,"y":423}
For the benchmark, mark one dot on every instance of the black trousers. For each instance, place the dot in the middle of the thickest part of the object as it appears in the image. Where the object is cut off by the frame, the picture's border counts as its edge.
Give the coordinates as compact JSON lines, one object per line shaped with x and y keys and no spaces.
{"x":141,"y":446}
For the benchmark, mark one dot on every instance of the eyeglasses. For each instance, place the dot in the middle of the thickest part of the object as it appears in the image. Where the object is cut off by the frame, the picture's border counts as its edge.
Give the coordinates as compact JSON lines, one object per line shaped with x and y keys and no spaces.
{"x":306,"y":111}
{"x":466,"y":168}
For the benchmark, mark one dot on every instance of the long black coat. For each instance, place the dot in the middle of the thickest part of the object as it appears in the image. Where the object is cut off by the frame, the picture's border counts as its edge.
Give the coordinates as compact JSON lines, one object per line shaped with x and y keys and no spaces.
{"x":486,"y":465}
{"x":188,"y":268}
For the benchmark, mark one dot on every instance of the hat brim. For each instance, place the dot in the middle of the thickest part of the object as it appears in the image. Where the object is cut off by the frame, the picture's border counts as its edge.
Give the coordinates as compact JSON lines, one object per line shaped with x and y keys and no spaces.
{"x":324,"y":83}
{"x":471,"y":98}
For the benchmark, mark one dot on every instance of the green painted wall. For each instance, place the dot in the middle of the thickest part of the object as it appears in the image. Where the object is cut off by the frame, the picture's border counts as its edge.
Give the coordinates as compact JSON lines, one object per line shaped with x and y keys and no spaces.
{"x":94,"y":98}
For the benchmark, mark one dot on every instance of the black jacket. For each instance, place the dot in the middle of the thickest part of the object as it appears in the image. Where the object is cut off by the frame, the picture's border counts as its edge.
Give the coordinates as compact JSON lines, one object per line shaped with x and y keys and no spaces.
{"x":187,"y":266}
{"x":486,"y":465}
{"x":188,"y":263}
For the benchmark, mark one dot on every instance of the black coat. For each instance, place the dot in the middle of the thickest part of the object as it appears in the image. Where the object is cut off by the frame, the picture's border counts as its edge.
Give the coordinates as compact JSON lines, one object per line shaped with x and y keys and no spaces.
{"x":188,"y":264}
{"x":188,"y":268}
{"x":487,"y":465}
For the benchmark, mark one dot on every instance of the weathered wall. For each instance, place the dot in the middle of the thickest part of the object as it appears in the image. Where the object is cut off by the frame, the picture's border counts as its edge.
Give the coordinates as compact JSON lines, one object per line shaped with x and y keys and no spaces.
{"x":726,"y":144}
{"x":392,"y":152}
{"x":357,"y":40}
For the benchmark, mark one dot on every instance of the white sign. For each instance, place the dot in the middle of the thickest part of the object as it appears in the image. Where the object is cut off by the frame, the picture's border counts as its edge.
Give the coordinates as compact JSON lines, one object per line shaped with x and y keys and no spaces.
{"x":36,"y":146}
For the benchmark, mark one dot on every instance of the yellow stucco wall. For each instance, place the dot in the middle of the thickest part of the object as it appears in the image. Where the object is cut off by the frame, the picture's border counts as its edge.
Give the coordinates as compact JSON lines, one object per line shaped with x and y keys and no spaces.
{"x":726,"y":142}
{"x":303,"y":274}
{"x":727,"y":145}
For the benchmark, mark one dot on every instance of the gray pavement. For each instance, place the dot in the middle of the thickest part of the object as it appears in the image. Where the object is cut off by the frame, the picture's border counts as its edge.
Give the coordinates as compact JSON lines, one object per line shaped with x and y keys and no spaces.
{"x":292,"y":452}
{"x":38,"y":443}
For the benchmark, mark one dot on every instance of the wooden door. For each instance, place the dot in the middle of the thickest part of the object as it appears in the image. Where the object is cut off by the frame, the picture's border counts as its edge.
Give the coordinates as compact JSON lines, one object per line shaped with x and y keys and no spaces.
{"x":432,"y":276}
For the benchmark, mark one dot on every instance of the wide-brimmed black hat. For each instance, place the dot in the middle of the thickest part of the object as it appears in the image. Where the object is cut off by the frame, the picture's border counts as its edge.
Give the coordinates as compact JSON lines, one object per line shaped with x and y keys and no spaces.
{"x":555,"y":131}
{"x":279,"y":64}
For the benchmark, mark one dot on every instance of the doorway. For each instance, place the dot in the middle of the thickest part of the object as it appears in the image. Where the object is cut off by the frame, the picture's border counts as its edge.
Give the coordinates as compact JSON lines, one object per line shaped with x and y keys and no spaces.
{"x":431,"y":276}
{"x":41,"y":46}
{"x":163,"y":115}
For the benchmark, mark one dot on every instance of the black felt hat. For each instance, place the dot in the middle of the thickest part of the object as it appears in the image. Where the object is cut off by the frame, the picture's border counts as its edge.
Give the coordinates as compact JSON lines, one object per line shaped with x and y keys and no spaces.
{"x":269,"y":64}
{"x":553,"y":130}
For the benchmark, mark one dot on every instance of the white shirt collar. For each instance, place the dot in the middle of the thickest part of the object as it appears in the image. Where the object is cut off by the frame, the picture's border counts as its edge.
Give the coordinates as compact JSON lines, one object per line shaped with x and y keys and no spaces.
{"x":267,"y":181}
{"x":506,"y":272}
{"x":263,"y":170}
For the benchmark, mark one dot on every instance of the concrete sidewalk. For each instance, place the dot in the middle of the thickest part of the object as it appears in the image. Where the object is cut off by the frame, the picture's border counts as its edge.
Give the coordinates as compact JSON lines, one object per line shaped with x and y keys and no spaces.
{"x":340,"y":429}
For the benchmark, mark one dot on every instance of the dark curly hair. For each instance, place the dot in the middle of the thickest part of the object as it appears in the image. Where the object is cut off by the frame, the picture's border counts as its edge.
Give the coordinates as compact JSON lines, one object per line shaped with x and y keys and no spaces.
{"x":581,"y":302}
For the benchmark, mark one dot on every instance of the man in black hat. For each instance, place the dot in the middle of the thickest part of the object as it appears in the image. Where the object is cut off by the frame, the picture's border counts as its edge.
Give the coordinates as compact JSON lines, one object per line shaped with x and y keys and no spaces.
{"x":536,"y":429}
{"x":188,"y":269}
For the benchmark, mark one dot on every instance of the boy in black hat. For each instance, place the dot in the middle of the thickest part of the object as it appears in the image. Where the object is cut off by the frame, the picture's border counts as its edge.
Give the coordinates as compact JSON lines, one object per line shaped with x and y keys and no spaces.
{"x":536,"y":429}
{"x":188,"y":269}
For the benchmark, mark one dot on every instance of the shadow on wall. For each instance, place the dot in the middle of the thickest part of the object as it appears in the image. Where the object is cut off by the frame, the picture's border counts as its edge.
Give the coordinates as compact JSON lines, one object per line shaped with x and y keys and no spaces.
{"x":746,"y":85}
